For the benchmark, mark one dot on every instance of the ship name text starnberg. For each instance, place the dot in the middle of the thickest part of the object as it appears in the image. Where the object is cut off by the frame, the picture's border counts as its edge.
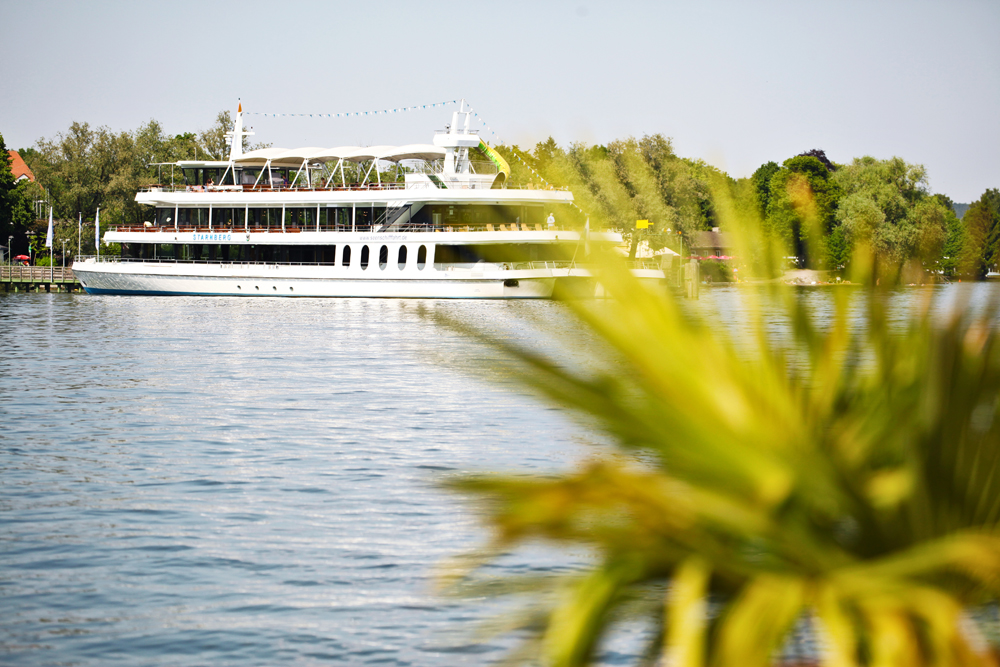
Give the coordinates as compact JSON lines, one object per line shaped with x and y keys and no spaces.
{"x":277,"y":222}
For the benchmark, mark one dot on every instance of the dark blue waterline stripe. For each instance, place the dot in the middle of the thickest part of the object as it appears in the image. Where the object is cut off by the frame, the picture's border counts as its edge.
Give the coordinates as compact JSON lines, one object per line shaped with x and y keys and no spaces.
{"x":118,"y":292}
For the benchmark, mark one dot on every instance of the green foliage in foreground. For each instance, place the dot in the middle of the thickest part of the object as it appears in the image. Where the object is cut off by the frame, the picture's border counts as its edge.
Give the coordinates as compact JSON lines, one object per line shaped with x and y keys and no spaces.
{"x":849,"y":471}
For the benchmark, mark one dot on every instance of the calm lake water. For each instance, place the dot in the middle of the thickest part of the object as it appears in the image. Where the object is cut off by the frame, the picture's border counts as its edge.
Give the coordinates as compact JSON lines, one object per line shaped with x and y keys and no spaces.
{"x":255,"y":481}
{"x":249,"y":481}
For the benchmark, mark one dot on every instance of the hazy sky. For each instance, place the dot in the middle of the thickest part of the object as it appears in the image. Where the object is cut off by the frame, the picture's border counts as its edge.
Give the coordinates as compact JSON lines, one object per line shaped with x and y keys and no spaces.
{"x":734,"y":83}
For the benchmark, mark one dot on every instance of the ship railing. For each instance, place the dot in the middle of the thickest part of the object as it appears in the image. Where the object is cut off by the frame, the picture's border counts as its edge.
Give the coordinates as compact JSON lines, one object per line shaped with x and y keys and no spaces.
{"x":471,"y":185}
{"x":429,"y":167}
{"x":547,"y":264}
{"x":643,"y":264}
{"x":79,"y":259}
{"x":171,"y":260}
{"x":263,"y":187}
{"x":482,"y":167}
{"x":515,"y":266}
{"x":366,"y":228}
{"x":350,"y":187}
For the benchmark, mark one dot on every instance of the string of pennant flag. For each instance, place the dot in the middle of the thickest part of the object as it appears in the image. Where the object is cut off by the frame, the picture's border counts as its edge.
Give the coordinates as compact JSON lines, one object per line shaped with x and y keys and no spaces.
{"x":348,"y":114}
{"x":480,"y":118}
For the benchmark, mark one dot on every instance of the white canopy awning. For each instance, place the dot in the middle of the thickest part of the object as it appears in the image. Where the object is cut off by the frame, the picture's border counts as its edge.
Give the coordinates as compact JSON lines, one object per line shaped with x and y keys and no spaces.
{"x":297,"y":155}
{"x":413,"y":152}
{"x":332,"y":154}
{"x":284,"y":157}
{"x":367,"y":153}
{"x":259,"y":156}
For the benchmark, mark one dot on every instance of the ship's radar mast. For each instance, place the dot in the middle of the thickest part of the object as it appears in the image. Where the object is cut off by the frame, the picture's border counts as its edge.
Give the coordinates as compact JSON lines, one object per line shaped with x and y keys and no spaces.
{"x":457,"y":142}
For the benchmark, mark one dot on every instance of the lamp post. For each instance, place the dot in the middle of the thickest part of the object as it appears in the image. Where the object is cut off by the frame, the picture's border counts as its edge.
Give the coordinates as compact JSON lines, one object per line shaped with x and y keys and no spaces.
{"x":680,"y":239}
{"x":64,"y":258}
{"x":10,"y":250}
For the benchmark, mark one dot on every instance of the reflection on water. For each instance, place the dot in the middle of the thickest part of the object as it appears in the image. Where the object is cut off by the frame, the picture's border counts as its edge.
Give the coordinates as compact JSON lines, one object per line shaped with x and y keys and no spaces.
{"x":190,"y":480}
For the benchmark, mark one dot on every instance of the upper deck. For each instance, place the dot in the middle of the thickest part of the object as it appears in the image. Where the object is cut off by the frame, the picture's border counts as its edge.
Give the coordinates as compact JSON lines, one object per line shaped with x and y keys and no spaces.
{"x":413,"y":191}
{"x":457,"y":168}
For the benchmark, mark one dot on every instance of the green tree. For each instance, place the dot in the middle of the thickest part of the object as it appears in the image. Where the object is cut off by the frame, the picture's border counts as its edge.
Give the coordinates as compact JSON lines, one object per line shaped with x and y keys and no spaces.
{"x":762,"y":185}
{"x":213,"y":142}
{"x":15,"y":201}
{"x":78,"y":167}
{"x":981,"y":247}
{"x":886,"y":205}
{"x":88,"y":168}
{"x":634,"y":179}
{"x":955,"y":239}
{"x":802,"y":200}
{"x":951,"y":254}
{"x":518,"y":160}
{"x":838,"y":249}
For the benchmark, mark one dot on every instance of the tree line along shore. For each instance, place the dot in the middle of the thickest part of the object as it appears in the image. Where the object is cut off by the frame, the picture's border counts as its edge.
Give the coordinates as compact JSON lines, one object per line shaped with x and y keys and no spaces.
{"x":817,"y":210}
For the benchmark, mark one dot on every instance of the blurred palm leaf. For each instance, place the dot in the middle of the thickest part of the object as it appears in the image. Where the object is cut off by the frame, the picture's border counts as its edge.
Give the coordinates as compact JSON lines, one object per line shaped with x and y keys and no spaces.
{"x":848,"y":469}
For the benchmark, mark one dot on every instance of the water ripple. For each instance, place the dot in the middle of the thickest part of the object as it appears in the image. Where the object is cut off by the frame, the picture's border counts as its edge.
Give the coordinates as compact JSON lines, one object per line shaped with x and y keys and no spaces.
{"x":253,"y":482}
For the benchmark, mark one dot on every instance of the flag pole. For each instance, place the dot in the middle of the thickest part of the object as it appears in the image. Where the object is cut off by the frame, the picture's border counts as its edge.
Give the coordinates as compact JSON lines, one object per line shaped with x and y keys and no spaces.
{"x":97,"y":232}
{"x":48,"y":244}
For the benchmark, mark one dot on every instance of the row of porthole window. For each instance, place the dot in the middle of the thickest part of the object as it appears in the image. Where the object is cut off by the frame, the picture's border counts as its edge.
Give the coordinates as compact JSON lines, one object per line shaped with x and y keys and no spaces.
{"x":257,"y":288}
{"x":383,"y":257}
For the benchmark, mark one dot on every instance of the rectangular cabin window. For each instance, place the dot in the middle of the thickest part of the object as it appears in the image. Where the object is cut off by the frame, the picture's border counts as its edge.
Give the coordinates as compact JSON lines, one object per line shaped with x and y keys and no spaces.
{"x":248,"y":175}
{"x":192,"y":217}
{"x":500,"y":253}
{"x":258,"y":218}
{"x":164,"y":217}
{"x":223,"y":218}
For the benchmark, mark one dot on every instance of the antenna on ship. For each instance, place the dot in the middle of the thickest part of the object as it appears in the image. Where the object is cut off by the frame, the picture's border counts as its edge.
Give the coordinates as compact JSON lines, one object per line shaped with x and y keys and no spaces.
{"x":236,"y":145}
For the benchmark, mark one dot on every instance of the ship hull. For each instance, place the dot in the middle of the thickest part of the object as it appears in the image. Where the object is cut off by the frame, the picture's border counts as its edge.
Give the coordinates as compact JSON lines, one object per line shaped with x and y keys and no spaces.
{"x":301,"y":281}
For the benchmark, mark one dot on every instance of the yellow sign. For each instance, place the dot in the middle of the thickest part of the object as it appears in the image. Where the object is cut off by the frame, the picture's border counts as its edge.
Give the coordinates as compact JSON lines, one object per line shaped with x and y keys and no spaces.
{"x":642,"y":224}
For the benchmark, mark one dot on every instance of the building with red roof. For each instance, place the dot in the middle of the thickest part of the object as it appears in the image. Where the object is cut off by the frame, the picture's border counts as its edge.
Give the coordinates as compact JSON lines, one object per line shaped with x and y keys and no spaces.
{"x":20,"y":169}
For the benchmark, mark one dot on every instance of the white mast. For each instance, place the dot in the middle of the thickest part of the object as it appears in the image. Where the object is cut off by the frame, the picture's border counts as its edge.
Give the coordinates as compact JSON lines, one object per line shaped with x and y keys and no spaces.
{"x":457,"y":143}
{"x":236,"y":145}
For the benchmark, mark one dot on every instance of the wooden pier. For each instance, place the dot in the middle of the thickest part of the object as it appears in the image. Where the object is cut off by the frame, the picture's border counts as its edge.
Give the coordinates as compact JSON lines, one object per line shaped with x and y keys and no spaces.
{"x":18,"y":278}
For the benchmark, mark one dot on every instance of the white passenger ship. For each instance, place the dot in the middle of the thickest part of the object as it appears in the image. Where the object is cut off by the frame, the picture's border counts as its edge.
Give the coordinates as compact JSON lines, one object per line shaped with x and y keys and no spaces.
{"x":328,"y":222}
